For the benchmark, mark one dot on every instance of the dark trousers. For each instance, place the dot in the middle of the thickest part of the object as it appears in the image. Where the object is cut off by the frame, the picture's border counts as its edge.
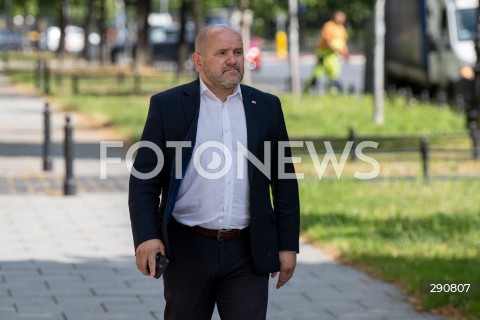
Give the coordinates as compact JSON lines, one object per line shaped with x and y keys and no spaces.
{"x":204,"y":271}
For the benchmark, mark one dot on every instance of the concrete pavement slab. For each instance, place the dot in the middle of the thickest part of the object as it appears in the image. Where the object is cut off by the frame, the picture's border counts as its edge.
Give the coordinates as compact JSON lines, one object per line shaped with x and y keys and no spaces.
{"x":72,"y":258}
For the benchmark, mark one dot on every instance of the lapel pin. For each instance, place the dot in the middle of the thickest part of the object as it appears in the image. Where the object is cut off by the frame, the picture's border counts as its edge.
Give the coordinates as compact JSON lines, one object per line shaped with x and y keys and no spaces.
{"x":254,"y":102}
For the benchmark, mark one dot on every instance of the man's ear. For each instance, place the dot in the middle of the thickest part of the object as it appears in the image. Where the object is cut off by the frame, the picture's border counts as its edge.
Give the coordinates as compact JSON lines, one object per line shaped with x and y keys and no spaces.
{"x":197,"y":61}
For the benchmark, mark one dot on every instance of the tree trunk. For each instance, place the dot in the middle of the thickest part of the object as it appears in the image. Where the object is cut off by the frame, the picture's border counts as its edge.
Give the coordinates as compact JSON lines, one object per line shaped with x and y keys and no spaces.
{"x":63,"y":25}
{"x":247,"y":19}
{"x":7,"y":14}
{"x":102,"y":28}
{"x":86,"y":27}
{"x":294,"y":51}
{"x":379,"y":61}
{"x":182,"y":46}
{"x":141,"y":50}
{"x":477,"y":75}
{"x":197,"y":13}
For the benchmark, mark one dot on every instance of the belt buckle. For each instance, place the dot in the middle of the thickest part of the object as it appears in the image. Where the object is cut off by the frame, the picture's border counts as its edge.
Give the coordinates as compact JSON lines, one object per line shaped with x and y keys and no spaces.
{"x":218,"y":235}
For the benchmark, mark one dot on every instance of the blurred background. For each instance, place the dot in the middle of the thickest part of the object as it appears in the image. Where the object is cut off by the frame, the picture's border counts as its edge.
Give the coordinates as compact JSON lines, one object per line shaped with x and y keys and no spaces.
{"x":428,"y":47}
{"x":161,"y":33}
{"x":35,"y":24}
{"x":410,"y":84}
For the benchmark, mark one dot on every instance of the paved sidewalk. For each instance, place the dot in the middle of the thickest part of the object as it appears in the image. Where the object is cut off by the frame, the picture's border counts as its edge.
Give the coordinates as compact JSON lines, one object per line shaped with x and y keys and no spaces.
{"x":21,"y":139}
{"x":72,"y":258}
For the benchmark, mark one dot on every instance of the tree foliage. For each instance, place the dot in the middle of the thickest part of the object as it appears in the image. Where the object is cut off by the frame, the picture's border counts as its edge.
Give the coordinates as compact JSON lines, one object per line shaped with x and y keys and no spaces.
{"x":312,"y":13}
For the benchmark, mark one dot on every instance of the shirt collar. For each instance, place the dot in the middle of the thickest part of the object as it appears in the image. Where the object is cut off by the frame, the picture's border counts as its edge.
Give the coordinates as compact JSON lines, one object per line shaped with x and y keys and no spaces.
{"x":204,"y":90}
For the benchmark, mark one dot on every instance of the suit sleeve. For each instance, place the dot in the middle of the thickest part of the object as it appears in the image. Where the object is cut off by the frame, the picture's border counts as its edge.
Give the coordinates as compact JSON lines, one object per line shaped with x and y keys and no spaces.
{"x":144,"y":193}
{"x":285,"y":194}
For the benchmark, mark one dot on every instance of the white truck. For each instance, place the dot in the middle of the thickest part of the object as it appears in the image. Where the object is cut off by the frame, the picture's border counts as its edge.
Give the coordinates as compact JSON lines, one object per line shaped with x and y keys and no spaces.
{"x":431,"y":44}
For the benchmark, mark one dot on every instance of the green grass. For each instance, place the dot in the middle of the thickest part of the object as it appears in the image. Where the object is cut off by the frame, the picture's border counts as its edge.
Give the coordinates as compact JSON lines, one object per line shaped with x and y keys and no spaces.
{"x":311,"y":116}
{"x":106,"y":99}
{"x":126,"y":114}
{"x":334,"y":115}
{"x":29,"y":56}
{"x":404,"y":232}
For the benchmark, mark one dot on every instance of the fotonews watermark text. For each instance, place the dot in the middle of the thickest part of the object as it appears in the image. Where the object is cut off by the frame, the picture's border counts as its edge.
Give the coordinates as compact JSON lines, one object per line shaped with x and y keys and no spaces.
{"x":213,"y":160}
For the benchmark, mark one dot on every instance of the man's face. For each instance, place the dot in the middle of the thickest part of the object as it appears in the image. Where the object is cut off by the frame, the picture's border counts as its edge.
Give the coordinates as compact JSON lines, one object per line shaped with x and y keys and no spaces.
{"x":340,"y":18}
{"x":221,"y":62}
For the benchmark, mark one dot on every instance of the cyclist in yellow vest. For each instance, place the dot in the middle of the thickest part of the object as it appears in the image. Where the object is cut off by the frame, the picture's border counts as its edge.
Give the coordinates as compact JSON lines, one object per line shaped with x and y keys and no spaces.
{"x":332,"y":46}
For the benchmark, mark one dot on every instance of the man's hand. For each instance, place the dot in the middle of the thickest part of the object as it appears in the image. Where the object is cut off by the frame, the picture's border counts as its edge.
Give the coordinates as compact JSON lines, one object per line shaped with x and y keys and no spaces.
{"x":344,"y":53}
{"x":145,"y":254}
{"x":288,"y":261}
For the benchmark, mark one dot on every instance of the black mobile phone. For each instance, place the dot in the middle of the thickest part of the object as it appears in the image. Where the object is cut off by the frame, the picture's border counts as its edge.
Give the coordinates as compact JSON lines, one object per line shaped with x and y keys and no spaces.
{"x":161,"y":263}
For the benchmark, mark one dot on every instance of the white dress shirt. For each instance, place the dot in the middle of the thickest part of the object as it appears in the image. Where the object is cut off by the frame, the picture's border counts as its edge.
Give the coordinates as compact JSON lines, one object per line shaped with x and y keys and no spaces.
{"x":223,"y":202}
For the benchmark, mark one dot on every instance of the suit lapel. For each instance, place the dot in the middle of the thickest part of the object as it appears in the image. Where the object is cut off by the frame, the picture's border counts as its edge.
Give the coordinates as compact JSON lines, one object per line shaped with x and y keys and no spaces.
{"x":191,"y":108}
{"x":190,"y":104}
{"x":253,"y":123}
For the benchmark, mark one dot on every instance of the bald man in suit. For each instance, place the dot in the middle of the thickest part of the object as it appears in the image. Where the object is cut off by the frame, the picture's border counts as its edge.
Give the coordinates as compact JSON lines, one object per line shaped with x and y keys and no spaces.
{"x":223,"y":232}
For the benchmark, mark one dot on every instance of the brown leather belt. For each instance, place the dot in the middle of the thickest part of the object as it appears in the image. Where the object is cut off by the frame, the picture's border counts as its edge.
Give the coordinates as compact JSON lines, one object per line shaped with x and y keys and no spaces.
{"x":219,"y":235}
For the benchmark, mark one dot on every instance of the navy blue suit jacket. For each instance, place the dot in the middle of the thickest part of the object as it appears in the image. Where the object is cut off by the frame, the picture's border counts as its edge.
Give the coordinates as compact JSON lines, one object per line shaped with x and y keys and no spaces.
{"x":274,"y":202}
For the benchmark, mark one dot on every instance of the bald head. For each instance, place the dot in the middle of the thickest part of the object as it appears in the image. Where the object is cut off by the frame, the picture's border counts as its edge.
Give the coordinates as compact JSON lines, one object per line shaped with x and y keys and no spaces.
{"x":219,"y":59}
{"x":339,"y":16}
{"x":205,"y":36}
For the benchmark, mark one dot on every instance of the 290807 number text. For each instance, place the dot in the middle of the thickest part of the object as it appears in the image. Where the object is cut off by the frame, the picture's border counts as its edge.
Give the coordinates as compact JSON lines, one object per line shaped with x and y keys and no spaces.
{"x":449,"y":287}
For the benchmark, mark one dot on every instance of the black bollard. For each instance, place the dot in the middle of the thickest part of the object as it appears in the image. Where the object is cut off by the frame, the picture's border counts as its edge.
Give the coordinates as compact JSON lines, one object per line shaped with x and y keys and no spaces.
{"x":74,"y":84}
{"x":474,"y":136}
{"x":47,"y":141}
{"x":460,"y":103}
{"x":391,"y":91}
{"x":288,"y":83}
{"x":137,"y":83}
{"x":351,"y":89}
{"x":442,"y":98}
{"x":424,"y":150}
{"x":46,"y":74}
{"x":5,"y":56}
{"x":339,"y":86}
{"x":425,"y":96}
{"x":58,"y":78}
{"x":121,"y":79}
{"x":69,"y":187}
{"x":408,"y":96}
{"x":38,"y":70}
{"x":352,"y":136}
